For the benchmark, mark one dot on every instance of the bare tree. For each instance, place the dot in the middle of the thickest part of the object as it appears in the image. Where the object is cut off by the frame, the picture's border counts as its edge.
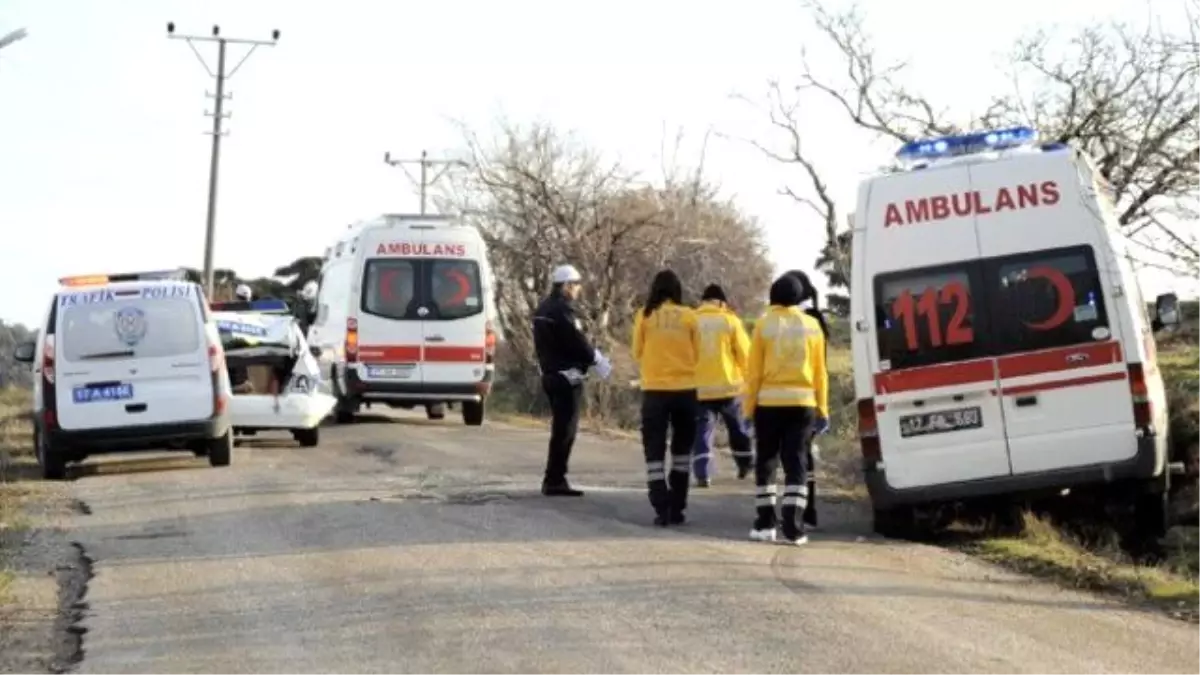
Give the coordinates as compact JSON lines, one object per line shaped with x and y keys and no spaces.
{"x":1127,"y":97}
{"x":541,"y":198}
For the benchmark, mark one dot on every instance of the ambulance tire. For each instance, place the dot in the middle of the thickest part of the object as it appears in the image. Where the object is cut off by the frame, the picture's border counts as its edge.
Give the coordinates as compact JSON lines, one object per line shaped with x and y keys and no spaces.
{"x":220,"y":450}
{"x":896,"y":523}
{"x":51,"y":460}
{"x":435,"y":411}
{"x":1151,"y":516}
{"x":473,"y":413}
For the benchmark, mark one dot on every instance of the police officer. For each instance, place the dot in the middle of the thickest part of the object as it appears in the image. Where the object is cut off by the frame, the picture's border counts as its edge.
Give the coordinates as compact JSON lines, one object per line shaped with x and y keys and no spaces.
{"x":564,"y":356}
{"x":306,"y":310}
{"x":809,"y":293}
{"x":243,"y":293}
{"x":720,"y":371}
{"x":666,"y":344}
{"x":787,"y":396}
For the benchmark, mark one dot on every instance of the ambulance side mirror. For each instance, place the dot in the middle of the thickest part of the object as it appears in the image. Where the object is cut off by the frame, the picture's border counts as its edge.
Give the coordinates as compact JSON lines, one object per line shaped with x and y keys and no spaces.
{"x":1166,"y":312}
{"x":24,"y":352}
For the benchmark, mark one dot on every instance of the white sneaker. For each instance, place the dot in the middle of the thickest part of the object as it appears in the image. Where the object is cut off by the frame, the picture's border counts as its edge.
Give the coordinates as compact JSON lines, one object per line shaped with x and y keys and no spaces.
{"x":762,"y":535}
{"x":798,"y":541}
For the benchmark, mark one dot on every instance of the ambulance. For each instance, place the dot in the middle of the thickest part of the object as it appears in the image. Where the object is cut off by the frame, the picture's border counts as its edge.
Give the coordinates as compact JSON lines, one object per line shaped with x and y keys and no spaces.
{"x":1001,"y":345}
{"x":403,"y":317}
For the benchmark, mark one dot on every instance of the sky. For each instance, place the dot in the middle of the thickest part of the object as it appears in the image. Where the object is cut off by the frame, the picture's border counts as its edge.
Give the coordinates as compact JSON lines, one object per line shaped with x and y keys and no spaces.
{"x":104,"y":161}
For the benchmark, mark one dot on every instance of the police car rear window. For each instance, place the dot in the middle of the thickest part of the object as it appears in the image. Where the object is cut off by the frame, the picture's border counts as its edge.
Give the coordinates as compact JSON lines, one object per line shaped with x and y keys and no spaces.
{"x":140,"y":323}
{"x":990,"y":307}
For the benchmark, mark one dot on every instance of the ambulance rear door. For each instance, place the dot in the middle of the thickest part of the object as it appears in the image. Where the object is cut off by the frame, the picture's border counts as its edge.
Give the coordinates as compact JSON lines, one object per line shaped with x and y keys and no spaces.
{"x":937,"y":409}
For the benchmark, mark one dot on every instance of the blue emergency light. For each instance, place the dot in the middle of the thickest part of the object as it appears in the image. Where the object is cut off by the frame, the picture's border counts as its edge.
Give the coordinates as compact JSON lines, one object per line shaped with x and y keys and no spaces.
{"x":264,"y":306}
{"x":967,"y":144}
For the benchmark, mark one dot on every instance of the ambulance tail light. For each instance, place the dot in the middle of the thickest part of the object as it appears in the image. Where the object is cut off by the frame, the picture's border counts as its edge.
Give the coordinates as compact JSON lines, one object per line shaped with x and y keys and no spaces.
{"x":489,"y":341}
{"x":48,"y":359}
{"x":868,"y":432}
{"x":351,"y":340}
{"x":1143,"y":409}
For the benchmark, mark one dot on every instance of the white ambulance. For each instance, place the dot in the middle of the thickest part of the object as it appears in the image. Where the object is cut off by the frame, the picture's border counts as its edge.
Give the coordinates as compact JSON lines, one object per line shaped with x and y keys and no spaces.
{"x":1001,"y":343}
{"x":403,"y":318}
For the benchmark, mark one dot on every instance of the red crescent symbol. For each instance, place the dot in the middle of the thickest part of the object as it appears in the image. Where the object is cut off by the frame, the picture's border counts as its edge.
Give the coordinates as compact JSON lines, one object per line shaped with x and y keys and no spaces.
{"x":464,"y":288}
{"x":385,"y":283}
{"x":1066,"y":297}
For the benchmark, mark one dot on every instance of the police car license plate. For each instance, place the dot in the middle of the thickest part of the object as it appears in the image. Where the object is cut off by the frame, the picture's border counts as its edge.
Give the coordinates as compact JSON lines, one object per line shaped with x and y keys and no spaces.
{"x":940,"y":422}
{"x":106,"y":392}
{"x":400,"y":371}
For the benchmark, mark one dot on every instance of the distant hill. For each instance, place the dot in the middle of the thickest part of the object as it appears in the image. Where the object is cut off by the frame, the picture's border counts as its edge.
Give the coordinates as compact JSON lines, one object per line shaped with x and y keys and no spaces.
{"x":13,"y":374}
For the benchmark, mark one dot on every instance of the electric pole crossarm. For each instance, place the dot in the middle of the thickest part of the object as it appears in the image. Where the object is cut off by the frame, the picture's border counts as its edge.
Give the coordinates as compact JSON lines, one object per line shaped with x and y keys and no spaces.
{"x":425,"y":163}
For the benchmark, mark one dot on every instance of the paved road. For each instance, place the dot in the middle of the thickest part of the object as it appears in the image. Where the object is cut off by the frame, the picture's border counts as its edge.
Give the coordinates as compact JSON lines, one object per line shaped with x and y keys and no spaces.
{"x":402,"y":545}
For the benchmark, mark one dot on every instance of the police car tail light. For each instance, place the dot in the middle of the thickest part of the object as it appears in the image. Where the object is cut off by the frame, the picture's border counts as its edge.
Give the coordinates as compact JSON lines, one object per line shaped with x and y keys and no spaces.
{"x":868,"y":430}
{"x":1143,"y":410}
{"x":351,"y":340}
{"x":216,"y":358}
{"x":48,"y":359}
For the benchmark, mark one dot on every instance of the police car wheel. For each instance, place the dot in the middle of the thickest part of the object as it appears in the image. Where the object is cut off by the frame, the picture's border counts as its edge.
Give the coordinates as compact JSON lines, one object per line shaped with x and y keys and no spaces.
{"x":220,"y":450}
{"x":307,"y":438}
{"x":435,"y":411}
{"x":52,"y":462}
{"x":472,"y":413}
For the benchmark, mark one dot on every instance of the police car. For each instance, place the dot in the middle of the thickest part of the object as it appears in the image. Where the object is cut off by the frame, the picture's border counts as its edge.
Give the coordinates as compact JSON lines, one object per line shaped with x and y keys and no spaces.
{"x":127,"y":362}
{"x":1002,"y":346}
{"x":263,"y":336}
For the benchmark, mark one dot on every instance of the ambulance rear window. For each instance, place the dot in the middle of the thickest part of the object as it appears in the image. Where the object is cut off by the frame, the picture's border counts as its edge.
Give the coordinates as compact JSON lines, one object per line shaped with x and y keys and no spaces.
{"x":1045,"y":299}
{"x":390,"y":288}
{"x":454,"y":289}
{"x":928,"y":316}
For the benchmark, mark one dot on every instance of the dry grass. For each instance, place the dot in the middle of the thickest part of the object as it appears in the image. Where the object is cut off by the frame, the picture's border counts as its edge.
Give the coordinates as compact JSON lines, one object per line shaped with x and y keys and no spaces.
{"x":15,"y":443}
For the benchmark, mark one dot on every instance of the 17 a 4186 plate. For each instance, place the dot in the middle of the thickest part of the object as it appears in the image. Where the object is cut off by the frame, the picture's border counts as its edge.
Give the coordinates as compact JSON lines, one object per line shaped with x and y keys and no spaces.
{"x":940,"y":422}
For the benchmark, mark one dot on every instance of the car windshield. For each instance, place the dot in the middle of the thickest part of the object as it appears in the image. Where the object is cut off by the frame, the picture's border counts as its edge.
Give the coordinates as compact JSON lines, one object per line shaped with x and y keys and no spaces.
{"x":135,"y":328}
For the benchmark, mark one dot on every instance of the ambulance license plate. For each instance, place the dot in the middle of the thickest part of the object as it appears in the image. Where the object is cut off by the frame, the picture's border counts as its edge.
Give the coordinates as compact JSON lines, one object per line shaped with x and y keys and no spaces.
{"x":104,"y":392}
{"x":940,"y":422}
{"x":401,"y":371}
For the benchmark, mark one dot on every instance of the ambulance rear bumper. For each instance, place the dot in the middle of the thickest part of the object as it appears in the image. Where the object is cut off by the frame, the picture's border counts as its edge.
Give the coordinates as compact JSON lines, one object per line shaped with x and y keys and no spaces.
{"x":418,"y":392}
{"x":1146,"y":463}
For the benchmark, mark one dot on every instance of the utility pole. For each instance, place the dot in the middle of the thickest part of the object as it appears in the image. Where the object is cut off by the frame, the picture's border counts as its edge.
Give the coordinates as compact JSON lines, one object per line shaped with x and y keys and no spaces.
{"x":218,"y":116}
{"x":15,"y":36}
{"x":426,"y":164}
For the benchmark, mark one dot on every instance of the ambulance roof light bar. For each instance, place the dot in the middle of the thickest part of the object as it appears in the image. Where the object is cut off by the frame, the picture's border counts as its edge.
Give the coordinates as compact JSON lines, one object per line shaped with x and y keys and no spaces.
{"x":967,"y":144}
{"x":264,"y":306}
{"x":98,"y":279}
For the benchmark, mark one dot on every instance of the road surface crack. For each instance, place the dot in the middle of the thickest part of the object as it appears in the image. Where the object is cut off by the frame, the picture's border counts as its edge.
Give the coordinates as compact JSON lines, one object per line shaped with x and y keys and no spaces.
{"x":73,"y":579}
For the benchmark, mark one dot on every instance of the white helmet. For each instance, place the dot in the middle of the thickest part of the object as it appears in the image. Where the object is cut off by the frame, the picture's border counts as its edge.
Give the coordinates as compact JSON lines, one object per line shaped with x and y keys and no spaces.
{"x":309,"y":291}
{"x":244,"y":293}
{"x":565,"y":274}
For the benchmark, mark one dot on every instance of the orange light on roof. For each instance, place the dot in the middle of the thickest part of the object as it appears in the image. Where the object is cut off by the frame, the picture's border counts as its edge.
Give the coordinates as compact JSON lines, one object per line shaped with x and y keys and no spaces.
{"x":85,"y":280}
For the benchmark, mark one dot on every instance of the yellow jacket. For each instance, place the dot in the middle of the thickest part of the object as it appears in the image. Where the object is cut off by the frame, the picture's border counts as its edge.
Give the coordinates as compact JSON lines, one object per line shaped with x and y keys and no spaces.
{"x":724,"y":348}
{"x":787,"y":362}
{"x":665,"y":346}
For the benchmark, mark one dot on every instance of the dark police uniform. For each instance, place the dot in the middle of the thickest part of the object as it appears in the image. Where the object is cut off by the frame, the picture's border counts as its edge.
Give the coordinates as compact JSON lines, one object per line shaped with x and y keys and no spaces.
{"x":564,"y":356}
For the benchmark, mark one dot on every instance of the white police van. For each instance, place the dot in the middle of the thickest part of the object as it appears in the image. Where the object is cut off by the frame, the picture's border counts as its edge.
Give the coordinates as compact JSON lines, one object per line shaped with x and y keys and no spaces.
{"x":403,"y":317}
{"x":127,"y":362}
{"x":1001,"y":343}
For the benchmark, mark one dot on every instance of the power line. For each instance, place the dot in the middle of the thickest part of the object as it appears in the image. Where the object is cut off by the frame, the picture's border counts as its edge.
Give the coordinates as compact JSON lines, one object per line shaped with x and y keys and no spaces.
{"x":218,"y":114}
{"x":426,"y":164}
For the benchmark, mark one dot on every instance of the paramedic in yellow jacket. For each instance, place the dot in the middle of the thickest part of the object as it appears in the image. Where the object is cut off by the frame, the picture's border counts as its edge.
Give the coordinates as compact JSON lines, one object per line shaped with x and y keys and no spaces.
{"x":720,"y":380}
{"x":787,"y":395}
{"x":665,"y":344}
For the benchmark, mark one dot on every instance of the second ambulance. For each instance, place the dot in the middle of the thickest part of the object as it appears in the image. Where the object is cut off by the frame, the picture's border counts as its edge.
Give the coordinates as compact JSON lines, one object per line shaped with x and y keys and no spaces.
{"x":1001,"y":343}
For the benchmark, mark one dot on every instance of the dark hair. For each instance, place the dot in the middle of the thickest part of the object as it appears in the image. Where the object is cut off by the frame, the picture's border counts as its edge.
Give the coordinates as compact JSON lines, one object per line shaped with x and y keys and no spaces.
{"x":714,"y":292}
{"x":810,"y":292}
{"x":787,"y":291}
{"x":666,"y":286}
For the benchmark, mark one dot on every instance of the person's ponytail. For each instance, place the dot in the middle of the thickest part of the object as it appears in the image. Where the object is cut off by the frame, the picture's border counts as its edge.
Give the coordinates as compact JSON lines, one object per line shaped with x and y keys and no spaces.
{"x":665,"y":286}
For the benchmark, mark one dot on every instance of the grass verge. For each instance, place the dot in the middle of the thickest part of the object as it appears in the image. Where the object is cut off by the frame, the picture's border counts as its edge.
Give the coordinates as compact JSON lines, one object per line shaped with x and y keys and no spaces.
{"x":16,"y":435}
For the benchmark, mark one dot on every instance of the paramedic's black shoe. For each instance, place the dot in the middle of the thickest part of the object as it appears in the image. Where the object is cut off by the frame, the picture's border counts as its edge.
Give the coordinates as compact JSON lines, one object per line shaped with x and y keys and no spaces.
{"x":562,"y":489}
{"x":703,"y":482}
{"x":677,"y":518}
{"x":661,"y":520}
{"x":743,"y":471}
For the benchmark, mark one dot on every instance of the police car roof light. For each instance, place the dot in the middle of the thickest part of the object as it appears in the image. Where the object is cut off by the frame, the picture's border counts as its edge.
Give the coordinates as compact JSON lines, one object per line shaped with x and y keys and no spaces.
{"x":97,"y":279}
{"x":967,"y":144}
{"x":262,"y":306}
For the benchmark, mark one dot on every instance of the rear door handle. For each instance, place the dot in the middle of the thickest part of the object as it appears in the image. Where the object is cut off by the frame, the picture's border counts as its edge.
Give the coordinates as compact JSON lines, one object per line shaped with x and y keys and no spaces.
{"x":434,"y":338}
{"x":135,"y":408}
{"x":1026,"y":401}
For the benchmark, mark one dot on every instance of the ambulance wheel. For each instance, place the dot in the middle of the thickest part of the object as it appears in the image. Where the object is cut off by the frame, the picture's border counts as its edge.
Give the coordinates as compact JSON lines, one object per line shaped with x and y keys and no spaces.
{"x":1151,"y":516}
{"x":896,"y":523}
{"x":307,"y":438}
{"x":220,"y":450}
{"x":472,"y":413}
{"x":51,"y":460}
{"x":435,"y":411}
